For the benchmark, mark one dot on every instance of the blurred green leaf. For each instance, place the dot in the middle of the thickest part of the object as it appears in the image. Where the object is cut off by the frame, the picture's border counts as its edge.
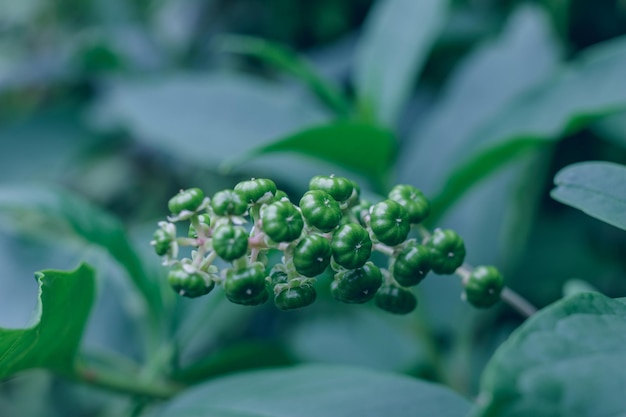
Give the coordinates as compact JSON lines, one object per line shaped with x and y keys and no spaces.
{"x":489,"y":78}
{"x":239,"y":357}
{"x":567,"y":360}
{"x":589,"y":87}
{"x":288,"y":61}
{"x":205,"y":119}
{"x":329,"y":391}
{"x":363,"y":148}
{"x":58,"y":213}
{"x":53,"y":342}
{"x":597,"y":188}
{"x":576,"y":286}
{"x":397,"y":37}
{"x":613,"y":128}
{"x":361,"y":337}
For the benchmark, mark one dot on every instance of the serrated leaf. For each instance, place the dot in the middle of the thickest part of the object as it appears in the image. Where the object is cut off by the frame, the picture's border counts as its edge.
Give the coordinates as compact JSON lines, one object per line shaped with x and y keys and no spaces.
{"x":288,"y":61}
{"x":567,"y":360}
{"x":397,"y":37}
{"x":360,"y":147}
{"x":53,"y":210}
{"x":314,"y":391}
{"x":65,"y":298}
{"x":597,"y":188}
{"x":589,"y":87}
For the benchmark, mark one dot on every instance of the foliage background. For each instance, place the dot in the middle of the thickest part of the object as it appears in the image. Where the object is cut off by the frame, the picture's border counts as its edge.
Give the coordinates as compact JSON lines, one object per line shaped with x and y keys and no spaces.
{"x":125,"y":102}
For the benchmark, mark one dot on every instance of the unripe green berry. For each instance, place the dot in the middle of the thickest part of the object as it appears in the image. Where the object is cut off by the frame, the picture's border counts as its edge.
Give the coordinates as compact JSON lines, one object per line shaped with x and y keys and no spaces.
{"x":162,"y":242}
{"x":389,"y":222}
{"x":189,"y":200}
{"x":356,"y":286}
{"x":447,"y":250}
{"x":412,"y":264}
{"x":246,"y":286}
{"x":296,"y":297}
{"x":484,"y":286}
{"x":351,"y":246}
{"x":280,"y":195}
{"x":203,"y":219}
{"x":282,"y":222}
{"x":396,"y":300}
{"x":229,"y":203}
{"x":257,"y":191}
{"x":230,"y":242}
{"x":413,"y":201}
{"x":312,"y":255}
{"x":320,"y":210}
{"x":189,"y":284}
{"x":339,"y":188}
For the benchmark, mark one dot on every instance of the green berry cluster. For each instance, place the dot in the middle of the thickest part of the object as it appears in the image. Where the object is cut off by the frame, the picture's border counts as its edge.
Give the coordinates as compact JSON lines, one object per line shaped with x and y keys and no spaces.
{"x":330,"y":227}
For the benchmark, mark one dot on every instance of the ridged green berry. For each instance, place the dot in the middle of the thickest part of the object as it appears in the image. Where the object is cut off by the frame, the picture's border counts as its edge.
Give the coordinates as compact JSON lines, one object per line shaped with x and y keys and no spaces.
{"x":229,"y":203}
{"x":356,"y":286}
{"x":447,"y":251}
{"x":162,"y":242}
{"x":413,"y":200}
{"x":339,"y":188}
{"x":257,"y":191}
{"x":412,"y":264}
{"x":189,"y":200}
{"x":246,"y":286}
{"x":296,"y":297}
{"x":282,"y":221}
{"x":320,"y":210}
{"x":484,"y":286}
{"x":230,"y":242}
{"x":312,"y":255}
{"x":351,"y":246}
{"x":189,"y":284}
{"x":396,"y":300}
{"x":389,"y":222}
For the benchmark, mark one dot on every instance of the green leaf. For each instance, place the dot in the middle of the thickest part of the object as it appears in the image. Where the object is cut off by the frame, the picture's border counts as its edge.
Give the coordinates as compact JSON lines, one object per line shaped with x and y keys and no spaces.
{"x":597,"y":188}
{"x":329,"y":391}
{"x":567,"y":360}
{"x":288,"y":61}
{"x":65,"y":301}
{"x":362,"y":148}
{"x":58,"y":213}
{"x":202,"y":118}
{"x":589,"y":87}
{"x":397,"y":37}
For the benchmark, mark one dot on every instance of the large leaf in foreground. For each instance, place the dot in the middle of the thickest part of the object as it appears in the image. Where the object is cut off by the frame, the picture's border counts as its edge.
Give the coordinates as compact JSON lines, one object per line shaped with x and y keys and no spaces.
{"x":589,"y":87}
{"x":65,"y":300}
{"x":314,"y":391}
{"x":567,"y":360}
{"x":58,"y":213}
{"x":397,"y":37}
{"x":597,"y":188}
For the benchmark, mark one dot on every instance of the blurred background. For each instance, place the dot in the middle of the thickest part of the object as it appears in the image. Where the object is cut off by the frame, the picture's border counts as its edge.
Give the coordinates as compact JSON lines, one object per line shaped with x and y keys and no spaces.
{"x":124,"y":102}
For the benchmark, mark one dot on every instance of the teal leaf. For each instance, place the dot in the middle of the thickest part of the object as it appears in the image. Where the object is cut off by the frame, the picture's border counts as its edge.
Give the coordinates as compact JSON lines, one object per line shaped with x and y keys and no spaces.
{"x":50,"y":211}
{"x":397,"y":37}
{"x":314,"y":391}
{"x":359,"y":147}
{"x":587,"y":88}
{"x":597,"y":188}
{"x":287,"y":60}
{"x":65,"y":301}
{"x":204,"y":119}
{"x":567,"y":360}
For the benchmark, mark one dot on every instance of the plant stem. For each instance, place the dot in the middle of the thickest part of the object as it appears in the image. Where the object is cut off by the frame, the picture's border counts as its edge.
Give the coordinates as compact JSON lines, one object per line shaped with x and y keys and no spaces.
{"x":124,"y":383}
{"x":518,"y":302}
